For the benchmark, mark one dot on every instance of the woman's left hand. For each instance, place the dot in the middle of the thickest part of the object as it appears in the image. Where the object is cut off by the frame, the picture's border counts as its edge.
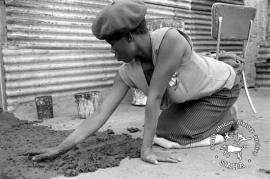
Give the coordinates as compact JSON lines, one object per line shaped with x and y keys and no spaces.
{"x":149,"y":156}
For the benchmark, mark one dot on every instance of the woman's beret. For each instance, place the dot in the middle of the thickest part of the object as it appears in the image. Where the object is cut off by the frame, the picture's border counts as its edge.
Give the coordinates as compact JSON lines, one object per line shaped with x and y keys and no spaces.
{"x":119,"y":17}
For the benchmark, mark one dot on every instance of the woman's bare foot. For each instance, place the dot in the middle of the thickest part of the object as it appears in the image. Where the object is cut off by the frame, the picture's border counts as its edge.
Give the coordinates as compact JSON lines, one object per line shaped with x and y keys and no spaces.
{"x":206,"y":142}
{"x":174,"y":145}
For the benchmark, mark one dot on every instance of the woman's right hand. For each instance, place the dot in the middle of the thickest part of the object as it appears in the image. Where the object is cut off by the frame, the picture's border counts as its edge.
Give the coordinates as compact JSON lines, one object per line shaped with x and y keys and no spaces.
{"x":43,"y":154}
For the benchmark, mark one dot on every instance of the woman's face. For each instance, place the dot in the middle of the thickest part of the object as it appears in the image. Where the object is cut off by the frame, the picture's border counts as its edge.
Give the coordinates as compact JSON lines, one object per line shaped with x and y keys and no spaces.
{"x":123,"y":49}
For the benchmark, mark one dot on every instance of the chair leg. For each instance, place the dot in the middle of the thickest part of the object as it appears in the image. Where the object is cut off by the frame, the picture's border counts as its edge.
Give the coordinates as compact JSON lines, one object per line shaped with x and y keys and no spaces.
{"x":247,"y":93}
{"x":219,"y":35}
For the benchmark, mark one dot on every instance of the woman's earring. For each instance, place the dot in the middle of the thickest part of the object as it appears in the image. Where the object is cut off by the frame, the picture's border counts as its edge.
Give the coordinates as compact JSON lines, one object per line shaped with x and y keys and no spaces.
{"x":129,"y":37}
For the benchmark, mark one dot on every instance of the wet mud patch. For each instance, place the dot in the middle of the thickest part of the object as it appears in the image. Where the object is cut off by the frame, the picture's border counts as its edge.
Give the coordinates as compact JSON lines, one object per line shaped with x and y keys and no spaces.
{"x":103,"y":150}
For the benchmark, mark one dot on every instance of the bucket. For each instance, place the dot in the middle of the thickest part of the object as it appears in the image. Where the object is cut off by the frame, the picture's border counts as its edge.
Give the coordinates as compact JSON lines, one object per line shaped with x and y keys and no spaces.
{"x":87,"y":103}
{"x":138,"y":97}
{"x":44,"y":107}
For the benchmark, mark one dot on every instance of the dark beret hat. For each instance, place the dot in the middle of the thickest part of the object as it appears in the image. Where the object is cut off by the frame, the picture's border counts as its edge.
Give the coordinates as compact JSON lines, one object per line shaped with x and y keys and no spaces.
{"x":119,"y":17}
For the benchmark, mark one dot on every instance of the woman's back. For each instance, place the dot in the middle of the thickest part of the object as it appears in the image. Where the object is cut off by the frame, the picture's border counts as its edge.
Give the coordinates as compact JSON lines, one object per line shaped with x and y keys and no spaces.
{"x":200,"y":76}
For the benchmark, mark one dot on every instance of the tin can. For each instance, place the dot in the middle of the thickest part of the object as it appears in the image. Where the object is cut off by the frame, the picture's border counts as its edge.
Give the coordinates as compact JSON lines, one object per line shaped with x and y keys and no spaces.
{"x":138,"y":97}
{"x":87,"y":103}
{"x":44,"y":105}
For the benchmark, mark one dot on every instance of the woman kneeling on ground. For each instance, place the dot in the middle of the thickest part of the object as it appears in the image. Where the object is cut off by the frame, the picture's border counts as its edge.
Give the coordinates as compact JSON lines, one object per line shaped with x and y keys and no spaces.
{"x":195,"y":93}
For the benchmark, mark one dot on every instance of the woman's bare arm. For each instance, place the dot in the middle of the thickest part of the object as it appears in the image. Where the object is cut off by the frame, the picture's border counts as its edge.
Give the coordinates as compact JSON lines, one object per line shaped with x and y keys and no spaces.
{"x":98,"y":119}
{"x":173,"y":50}
{"x":91,"y":124}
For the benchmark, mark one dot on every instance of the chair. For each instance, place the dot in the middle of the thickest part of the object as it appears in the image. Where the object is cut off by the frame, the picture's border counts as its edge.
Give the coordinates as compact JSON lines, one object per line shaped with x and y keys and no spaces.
{"x":233,"y":22}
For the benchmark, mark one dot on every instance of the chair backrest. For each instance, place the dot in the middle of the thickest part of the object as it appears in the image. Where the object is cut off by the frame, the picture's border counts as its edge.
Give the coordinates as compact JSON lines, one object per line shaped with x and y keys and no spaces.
{"x":236,"y":21}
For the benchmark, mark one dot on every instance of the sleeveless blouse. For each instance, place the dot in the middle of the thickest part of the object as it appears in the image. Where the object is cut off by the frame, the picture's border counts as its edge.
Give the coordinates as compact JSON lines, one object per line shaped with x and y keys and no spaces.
{"x":195,"y":78}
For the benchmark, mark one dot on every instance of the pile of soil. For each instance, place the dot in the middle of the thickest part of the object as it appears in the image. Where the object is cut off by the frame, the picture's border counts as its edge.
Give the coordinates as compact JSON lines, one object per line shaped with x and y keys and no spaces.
{"x":103,"y":150}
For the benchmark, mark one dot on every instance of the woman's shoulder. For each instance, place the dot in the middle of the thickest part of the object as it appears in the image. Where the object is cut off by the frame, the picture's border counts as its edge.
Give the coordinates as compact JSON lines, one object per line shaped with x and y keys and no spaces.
{"x":169,"y":33}
{"x":161,"y":30}
{"x":159,"y":34}
{"x":172,"y":39}
{"x":157,"y":37}
{"x":168,"y":30}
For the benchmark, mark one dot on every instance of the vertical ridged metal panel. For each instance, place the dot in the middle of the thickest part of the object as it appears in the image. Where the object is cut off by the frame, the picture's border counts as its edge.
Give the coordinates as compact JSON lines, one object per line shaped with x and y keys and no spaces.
{"x":264,"y":53}
{"x":52,"y":24}
{"x":168,"y":9}
{"x":38,"y":72}
{"x":263,"y":66}
{"x":263,"y":74}
{"x":50,"y":49}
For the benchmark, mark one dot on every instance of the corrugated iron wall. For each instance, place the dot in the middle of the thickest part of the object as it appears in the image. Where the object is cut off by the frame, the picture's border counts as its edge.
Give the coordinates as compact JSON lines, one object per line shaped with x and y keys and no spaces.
{"x":52,"y":24}
{"x":264,"y":53}
{"x":263,"y":58}
{"x":263,"y":74}
{"x":50,"y":48}
{"x":263,"y":66}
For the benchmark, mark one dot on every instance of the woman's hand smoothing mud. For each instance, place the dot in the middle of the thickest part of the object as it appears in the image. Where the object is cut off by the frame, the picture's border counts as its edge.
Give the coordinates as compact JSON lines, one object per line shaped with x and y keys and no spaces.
{"x":43,"y":154}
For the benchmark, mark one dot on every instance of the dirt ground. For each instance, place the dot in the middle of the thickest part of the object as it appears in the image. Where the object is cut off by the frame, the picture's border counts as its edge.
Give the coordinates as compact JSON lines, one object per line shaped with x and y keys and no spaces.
{"x":116,"y":155}
{"x":103,"y":150}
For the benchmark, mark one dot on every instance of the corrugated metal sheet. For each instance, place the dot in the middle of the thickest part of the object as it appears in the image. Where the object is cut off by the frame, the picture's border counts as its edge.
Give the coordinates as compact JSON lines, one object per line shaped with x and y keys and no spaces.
{"x":263,"y":66}
{"x":264,"y":53}
{"x":35,"y":72}
{"x":239,"y":2}
{"x":263,"y":74}
{"x":2,"y":40}
{"x":51,"y":24}
{"x":51,"y":50}
{"x":168,"y":9}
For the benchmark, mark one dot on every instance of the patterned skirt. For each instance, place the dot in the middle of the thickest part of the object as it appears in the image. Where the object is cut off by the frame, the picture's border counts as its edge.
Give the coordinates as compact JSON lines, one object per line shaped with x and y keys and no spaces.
{"x":196,"y":120}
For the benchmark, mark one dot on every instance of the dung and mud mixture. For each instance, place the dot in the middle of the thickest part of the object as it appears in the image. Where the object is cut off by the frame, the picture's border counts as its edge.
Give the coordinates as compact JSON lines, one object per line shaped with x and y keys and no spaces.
{"x":103,"y":150}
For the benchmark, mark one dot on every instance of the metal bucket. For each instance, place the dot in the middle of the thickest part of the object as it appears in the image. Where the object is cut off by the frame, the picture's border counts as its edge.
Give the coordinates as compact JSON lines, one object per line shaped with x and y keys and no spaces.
{"x":138,"y":97}
{"x":87,"y":103}
{"x":44,"y":105}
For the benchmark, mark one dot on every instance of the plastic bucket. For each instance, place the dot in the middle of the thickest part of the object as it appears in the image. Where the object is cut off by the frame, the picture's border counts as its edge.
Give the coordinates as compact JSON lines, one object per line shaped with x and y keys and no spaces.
{"x":87,"y":103}
{"x":138,"y":97}
{"x":44,"y":105}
